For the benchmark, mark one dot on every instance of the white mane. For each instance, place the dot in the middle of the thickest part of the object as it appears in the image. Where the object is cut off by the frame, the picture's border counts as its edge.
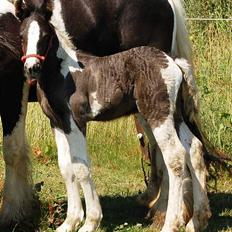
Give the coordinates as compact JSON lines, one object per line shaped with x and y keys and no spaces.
{"x":67,"y":50}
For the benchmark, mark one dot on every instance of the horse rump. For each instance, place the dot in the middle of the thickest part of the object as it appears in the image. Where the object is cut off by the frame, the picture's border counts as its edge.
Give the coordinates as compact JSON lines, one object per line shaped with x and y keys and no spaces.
{"x":190,"y":112}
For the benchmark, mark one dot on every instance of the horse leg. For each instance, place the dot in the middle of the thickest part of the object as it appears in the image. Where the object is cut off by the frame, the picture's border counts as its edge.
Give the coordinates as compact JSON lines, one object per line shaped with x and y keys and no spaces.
{"x":74,"y":166}
{"x":75,"y":213}
{"x":156,"y":195}
{"x":17,"y":194}
{"x":196,"y":165}
{"x":174,"y":158}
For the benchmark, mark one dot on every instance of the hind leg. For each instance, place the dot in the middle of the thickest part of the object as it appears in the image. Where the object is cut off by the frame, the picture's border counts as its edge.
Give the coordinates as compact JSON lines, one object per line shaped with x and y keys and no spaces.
{"x":17,"y":192}
{"x":152,"y":192}
{"x":196,"y":165}
{"x":156,"y":195}
{"x":174,"y":157}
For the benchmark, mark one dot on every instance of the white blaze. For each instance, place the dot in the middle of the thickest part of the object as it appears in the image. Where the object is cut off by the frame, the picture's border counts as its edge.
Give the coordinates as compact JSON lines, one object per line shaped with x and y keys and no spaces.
{"x":33,"y":39}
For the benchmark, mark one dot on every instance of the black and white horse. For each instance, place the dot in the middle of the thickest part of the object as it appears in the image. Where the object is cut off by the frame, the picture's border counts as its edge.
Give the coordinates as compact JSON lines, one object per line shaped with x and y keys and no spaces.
{"x":105,"y":27}
{"x":14,"y":90}
{"x":101,"y":28}
{"x":143,"y":80}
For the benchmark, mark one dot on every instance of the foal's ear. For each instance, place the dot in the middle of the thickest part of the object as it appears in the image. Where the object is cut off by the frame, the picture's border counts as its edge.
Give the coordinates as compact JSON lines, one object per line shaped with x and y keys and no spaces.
{"x":48,"y":7}
{"x":21,"y":11}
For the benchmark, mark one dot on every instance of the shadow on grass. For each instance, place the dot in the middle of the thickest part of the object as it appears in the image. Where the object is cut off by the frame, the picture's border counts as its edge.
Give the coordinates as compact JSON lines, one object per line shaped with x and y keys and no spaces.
{"x":122,"y":210}
{"x":122,"y":213}
{"x":221,"y":207}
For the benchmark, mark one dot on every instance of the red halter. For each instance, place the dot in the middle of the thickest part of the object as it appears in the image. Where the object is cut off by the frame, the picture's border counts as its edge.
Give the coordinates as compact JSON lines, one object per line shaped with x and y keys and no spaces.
{"x":41,"y":58}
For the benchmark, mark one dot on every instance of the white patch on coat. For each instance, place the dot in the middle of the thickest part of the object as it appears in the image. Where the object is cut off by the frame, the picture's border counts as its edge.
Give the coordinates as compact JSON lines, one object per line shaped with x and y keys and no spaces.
{"x":95,"y":105}
{"x":195,"y":161}
{"x":69,"y":60}
{"x":66,"y":50}
{"x":6,"y":7}
{"x":174,"y":157}
{"x":190,"y":79}
{"x":172,"y":150}
{"x":32,"y":41}
{"x":74,"y":166}
{"x":173,"y":77}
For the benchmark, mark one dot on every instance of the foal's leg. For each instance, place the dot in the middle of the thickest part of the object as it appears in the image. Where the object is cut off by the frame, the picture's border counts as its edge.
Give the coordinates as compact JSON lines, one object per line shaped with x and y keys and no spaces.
{"x":174,"y":157}
{"x":156,"y":195}
{"x":196,"y":165}
{"x":17,"y":193}
{"x":74,"y":166}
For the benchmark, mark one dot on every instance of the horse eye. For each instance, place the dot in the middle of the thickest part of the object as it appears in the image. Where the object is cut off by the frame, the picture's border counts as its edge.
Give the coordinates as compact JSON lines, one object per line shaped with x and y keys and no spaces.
{"x":45,"y":35}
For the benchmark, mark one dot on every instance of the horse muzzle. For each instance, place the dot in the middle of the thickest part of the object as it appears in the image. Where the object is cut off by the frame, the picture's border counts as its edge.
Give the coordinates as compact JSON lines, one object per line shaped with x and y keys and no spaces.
{"x":32,"y":68}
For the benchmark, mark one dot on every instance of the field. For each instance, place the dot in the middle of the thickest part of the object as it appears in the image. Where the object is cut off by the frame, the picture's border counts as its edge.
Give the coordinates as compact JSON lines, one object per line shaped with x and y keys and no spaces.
{"x":115,"y":153}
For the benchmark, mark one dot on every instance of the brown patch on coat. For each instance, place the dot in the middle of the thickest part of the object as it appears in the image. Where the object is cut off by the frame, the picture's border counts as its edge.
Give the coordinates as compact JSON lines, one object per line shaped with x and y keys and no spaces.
{"x":126,"y":83}
{"x":177,"y":166}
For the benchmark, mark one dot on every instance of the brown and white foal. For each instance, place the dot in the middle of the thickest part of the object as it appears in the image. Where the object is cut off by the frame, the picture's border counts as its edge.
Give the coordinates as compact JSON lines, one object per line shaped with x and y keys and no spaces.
{"x":142,"y":80}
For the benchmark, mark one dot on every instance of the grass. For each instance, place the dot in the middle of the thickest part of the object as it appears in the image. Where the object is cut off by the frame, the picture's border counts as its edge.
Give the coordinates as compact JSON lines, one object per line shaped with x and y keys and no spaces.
{"x":115,"y":152}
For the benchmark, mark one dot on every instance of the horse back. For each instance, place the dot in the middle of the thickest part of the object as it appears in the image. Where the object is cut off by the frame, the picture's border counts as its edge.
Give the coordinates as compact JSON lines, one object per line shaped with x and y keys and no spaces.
{"x":106,"y":27}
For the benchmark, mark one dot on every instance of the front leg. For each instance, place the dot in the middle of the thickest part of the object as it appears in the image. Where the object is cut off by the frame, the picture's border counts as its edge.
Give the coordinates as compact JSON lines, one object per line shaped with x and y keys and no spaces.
{"x":18,"y":198}
{"x":74,"y":166}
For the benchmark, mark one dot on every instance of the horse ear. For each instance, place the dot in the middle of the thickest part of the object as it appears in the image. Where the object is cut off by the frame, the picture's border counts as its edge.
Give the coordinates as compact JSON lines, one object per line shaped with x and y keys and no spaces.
{"x":49,"y":7}
{"x":18,"y":4}
{"x":20,"y":9}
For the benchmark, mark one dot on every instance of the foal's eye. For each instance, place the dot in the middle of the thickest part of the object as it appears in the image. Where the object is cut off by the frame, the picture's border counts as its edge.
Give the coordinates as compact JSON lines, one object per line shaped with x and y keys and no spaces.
{"x":45,"y":35}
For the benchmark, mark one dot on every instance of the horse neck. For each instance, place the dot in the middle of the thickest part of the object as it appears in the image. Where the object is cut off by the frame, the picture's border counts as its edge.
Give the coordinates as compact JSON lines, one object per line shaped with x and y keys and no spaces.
{"x":57,"y":66}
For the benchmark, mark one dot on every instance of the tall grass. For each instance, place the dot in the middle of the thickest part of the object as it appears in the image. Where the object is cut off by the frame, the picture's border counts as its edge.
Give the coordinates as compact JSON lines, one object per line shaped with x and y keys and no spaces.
{"x":213,"y":65}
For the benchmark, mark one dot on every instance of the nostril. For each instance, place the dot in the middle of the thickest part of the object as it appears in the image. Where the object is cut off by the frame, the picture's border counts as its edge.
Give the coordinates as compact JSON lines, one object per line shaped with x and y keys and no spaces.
{"x":36,"y":68}
{"x":30,"y":70}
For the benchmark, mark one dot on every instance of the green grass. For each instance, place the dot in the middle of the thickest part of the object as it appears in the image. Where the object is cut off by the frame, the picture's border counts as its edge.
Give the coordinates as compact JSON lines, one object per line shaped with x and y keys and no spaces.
{"x":115,"y":153}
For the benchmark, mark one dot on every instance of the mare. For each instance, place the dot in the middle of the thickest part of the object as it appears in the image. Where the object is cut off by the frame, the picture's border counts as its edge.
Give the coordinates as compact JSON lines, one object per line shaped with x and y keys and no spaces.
{"x":143,"y":80}
{"x":103,"y":28}
{"x":14,"y":90}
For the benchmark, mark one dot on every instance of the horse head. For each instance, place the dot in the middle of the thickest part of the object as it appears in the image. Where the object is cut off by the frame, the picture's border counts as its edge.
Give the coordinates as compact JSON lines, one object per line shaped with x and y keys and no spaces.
{"x":38,"y":37}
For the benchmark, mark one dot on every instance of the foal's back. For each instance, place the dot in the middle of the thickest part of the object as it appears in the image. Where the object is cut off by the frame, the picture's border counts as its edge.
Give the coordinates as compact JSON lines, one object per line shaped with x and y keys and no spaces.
{"x":123,"y":82}
{"x":125,"y":68}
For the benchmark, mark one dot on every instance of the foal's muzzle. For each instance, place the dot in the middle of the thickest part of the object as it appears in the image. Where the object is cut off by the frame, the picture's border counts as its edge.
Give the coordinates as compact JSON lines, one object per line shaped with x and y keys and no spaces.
{"x":32,"y":67}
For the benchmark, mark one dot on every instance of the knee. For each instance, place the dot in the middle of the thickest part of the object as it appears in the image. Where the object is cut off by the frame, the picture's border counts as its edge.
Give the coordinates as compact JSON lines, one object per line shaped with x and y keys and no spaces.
{"x":176,"y":164}
{"x":81,"y":171}
{"x":15,"y":149}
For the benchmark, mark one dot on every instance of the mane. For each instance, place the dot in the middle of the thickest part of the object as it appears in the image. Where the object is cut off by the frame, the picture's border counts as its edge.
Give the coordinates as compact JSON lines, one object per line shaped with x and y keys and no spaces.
{"x":65,"y":40}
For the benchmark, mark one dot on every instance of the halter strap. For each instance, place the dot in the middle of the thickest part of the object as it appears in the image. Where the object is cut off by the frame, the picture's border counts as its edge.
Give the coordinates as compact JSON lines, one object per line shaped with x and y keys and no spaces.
{"x":24,"y":58}
{"x":41,"y":58}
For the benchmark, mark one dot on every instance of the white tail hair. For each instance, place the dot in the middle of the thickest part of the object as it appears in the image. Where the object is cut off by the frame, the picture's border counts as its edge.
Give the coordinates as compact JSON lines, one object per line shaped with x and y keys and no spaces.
{"x":190,"y":91}
{"x":181,"y":46}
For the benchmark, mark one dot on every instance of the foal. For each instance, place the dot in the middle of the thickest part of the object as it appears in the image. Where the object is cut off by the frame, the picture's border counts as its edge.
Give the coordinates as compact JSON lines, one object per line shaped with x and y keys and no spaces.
{"x":142,"y":80}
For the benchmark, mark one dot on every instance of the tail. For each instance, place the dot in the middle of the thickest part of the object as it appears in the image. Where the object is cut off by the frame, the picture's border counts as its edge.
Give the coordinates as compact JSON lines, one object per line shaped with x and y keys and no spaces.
{"x":190,"y":112}
{"x":181,"y":46}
